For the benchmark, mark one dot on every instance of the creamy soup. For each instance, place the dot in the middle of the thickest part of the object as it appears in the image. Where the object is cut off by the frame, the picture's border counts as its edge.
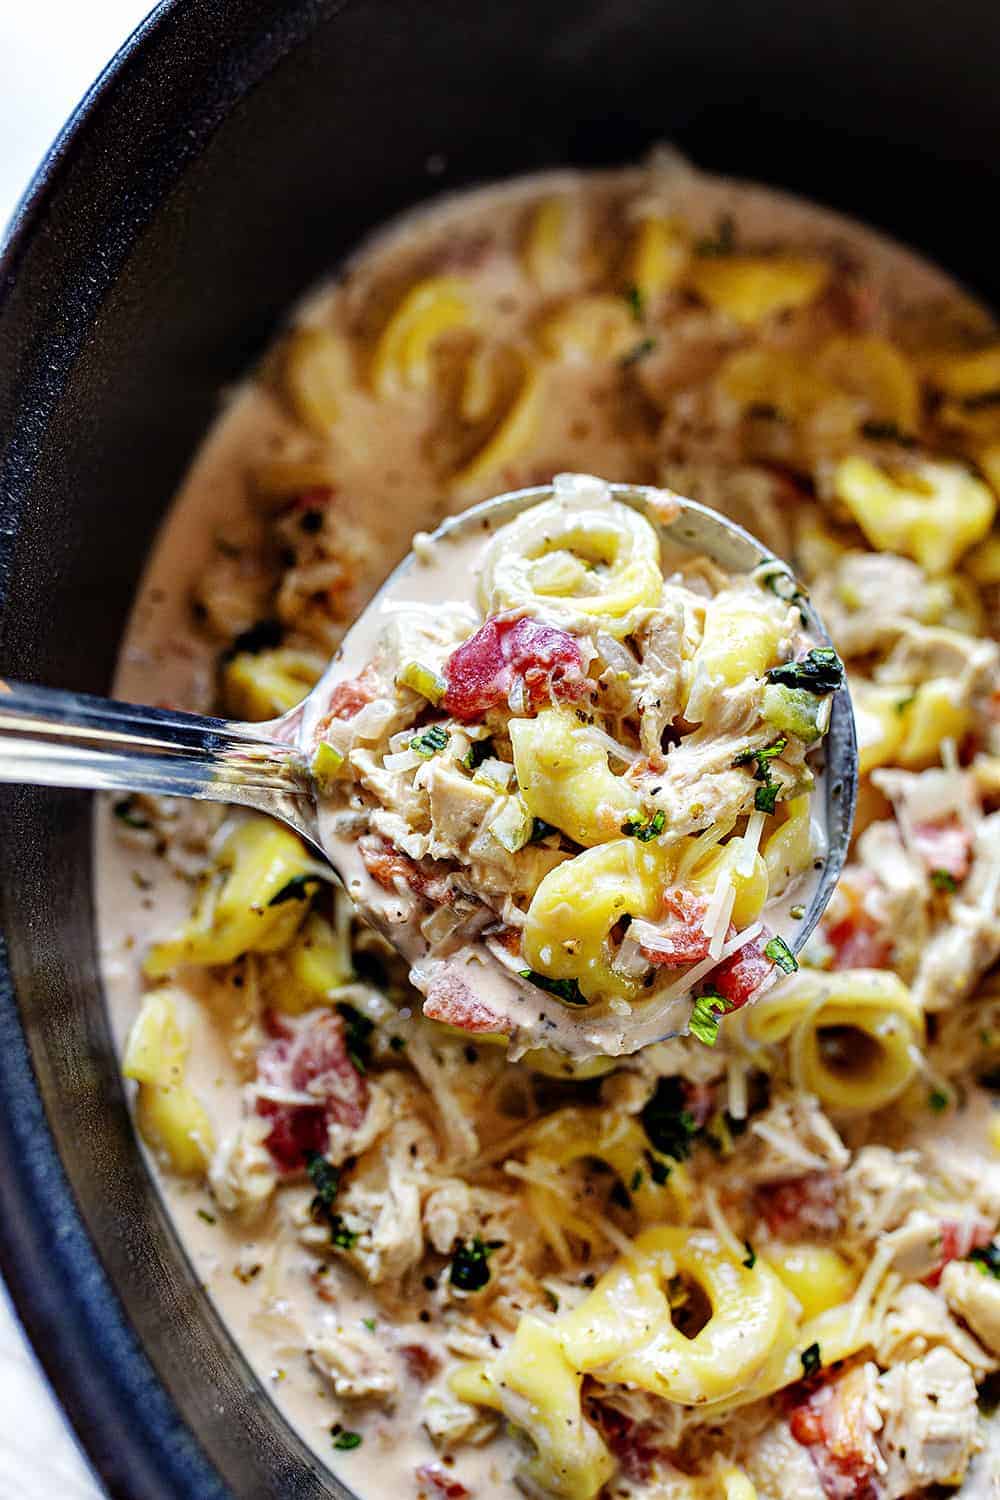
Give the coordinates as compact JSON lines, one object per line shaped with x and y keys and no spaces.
{"x":756,"y":1262}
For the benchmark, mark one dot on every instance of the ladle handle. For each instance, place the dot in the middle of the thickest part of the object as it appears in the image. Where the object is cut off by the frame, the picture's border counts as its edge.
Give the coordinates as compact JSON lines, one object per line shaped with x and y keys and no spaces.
{"x":49,"y":737}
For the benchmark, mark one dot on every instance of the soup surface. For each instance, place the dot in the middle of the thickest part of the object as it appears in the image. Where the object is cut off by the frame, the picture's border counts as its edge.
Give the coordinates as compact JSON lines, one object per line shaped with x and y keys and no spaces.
{"x":760,"y":1260}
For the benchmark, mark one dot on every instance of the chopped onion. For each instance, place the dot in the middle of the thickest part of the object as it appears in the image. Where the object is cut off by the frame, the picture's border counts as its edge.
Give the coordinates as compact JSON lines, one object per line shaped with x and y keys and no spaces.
{"x":497,"y":773}
{"x":404,"y":760}
{"x":615,"y":655}
{"x":612,"y":746}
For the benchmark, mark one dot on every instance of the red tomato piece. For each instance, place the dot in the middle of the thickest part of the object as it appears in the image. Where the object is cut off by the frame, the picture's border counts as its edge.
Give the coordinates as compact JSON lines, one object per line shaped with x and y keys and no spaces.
{"x":740,"y":977}
{"x":858,"y":936}
{"x":421,"y":1363}
{"x":799,"y":1207}
{"x":832,"y":1421}
{"x":350,"y":696}
{"x":945,"y":846}
{"x":451,"y":1000}
{"x":309,"y":1058}
{"x":957,"y":1239}
{"x":503,"y":651}
{"x":435,"y":1477}
{"x":682,"y":940}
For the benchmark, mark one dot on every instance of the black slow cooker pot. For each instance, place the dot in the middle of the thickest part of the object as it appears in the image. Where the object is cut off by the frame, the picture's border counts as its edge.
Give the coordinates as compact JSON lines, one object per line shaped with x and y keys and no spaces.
{"x":233,"y":152}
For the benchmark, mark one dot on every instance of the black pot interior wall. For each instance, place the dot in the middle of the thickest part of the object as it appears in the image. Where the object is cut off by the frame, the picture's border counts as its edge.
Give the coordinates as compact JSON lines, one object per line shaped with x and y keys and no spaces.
{"x":241,"y":150}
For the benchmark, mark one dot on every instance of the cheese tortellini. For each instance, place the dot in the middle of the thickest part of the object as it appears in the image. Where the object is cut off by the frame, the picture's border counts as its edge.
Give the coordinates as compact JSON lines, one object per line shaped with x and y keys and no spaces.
{"x":594,"y":563}
{"x":171,"y":1119}
{"x":564,"y":776}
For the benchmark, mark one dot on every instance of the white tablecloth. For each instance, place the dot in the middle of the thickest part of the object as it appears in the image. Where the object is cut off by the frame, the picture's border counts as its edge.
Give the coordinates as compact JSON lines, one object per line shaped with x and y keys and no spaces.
{"x":50,"y":52}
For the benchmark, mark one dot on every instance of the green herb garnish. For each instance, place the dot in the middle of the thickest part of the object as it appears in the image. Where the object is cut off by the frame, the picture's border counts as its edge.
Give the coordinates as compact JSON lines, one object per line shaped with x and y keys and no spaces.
{"x":943,"y":880}
{"x":125,"y":811}
{"x":644,"y":829}
{"x":987,"y":1258}
{"x":541,"y":830}
{"x":750,"y":1259}
{"x":477,"y":752}
{"x":778,"y":951}
{"x":820,"y":671}
{"x":766,"y":795}
{"x":357,"y":1036}
{"x":811,"y":1360}
{"x":205,"y":1216}
{"x":704,"y":1019}
{"x":636,"y":302}
{"x":470,"y":1269}
{"x":433,"y":739}
{"x":343,"y":1440}
{"x":668,"y":1123}
{"x":938,"y":1101}
{"x":566,"y":990}
{"x":659,"y":1171}
{"x":635,"y":1182}
{"x":299,"y":888}
{"x":369,"y":1324}
{"x":638,"y":352}
{"x":325,"y":1179}
{"x":341,"y":1236}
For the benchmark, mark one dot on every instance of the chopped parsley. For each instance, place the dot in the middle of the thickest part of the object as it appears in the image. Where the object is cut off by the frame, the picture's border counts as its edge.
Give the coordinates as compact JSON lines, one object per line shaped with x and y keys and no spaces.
{"x":820,"y":671}
{"x":658,"y":1170}
{"x":811,"y":1360}
{"x":343,"y":1440}
{"x":299,"y":888}
{"x":566,"y":990}
{"x":938,"y":1100}
{"x":766,"y":795}
{"x":724,"y":242}
{"x":470,"y":1269}
{"x":204,"y":1215}
{"x":341,"y":1236}
{"x":638,"y":352}
{"x":635,"y":301}
{"x":635,"y":1182}
{"x":667,"y":1121}
{"x":776,"y":576}
{"x":750,"y":1259}
{"x":943,"y":880}
{"x":357,"y":1036}
{"x":704,"y":1019}
{"x":266,"y":635}
{"x":326,"y":1180}
{"x":126,"y":812}
{"x":369,"y":1324}
{"x":397,"y":1043}
{"x":477,"y":752}
{"x":433,"y":739}
{"x":644,"y":829}
{"x":778,"y":951}
{"x":541,"y":830}
{"x":987,"y":1258}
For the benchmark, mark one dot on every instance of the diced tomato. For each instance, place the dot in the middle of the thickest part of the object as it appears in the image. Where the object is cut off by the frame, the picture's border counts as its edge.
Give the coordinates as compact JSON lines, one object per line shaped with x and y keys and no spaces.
{"x":450,"y":999}
{"x":482,"y":671}
{"x":422,"y":1363}
{"x":683,"y":940}
{"x":957,"y":1239}
{"x":945,"y":846}
{"x":435,"y":1478}
{"x":309,"y":1058}
{"x":799,"y":1207}
{"x":392,"y":869}
{"x":631,"y":1442}
{"x":350,"y":696}
{"x":741,"y":976}
{"x":832,"y":1420}
{"x":859,"y":939}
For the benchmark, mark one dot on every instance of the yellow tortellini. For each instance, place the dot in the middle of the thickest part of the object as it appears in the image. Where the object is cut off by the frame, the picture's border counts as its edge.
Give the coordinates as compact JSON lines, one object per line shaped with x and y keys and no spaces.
{"x":515,"y":426}
{"x":624,"y":1330}
{"x":789,"y":851}
{"x":932,"y":512}
{"x":817,"y":1276}
{"x":657,"y":258}
{"x":317,"y":963}
{"x":433,"y":308}
{"x":854,"y":1035}
{"x":899,"y":725}
{"x":259,"y":685}
{"x":874,"y":371}
{"x":317,"y":369}
{"x":742,"y":635}
{"x":751,"y":288}
{"x":577,"y":1134}
{"x":598,"y":327}
{"x":571,"y":915}
{"x":595,"y":562}
{"x":750,"y":881}
{"x":564,"y":777}
{"x":549,"y":245}
{"x":170,"y":1119}
{"x":537,"y":1389}
{"x":253,"y":902}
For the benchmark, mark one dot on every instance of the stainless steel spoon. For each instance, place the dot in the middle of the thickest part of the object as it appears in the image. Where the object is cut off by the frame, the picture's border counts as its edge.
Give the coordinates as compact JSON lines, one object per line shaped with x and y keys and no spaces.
{"x":51,"y":737}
